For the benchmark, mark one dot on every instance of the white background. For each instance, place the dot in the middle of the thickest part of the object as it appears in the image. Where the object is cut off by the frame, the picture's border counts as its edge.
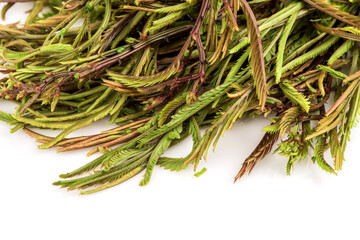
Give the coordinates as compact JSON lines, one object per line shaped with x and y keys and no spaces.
{"x":267,"y":204}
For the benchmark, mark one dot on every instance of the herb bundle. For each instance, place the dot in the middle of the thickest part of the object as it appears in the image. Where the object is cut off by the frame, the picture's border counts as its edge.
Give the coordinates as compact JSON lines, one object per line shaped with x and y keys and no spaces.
{"x":161,"y":70}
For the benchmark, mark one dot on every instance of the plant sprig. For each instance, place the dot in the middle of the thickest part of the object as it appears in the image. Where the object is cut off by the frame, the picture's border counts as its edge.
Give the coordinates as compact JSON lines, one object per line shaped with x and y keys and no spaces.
{"x":161,"y":70}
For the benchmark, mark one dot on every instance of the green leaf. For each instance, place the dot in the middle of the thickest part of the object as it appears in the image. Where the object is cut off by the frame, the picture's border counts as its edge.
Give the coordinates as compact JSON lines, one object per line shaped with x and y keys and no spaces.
{"x":172,"y":164}
{"x":122,"y":179}
{"x":272,"y":128}
{"x":332,"y":72}
{"x":289,"y":118}
{"x":57,"y":48}
{"x":282,"y":44}
{"x":201,"y":172}
{"x":6,"y":117}
{"x":295,"y":96}
{"x":344,"y":48}
{"x":319,"y":155}
{"x":170,"y":107}
{"x":160,"y":148}
{"x":143,"y":81}
{"x":322,"y":47}
{"x":173,"y":8}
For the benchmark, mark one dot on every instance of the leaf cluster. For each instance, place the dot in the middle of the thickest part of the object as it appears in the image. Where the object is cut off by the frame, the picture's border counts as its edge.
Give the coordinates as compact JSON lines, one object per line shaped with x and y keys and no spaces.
{"x":159,"y":71}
